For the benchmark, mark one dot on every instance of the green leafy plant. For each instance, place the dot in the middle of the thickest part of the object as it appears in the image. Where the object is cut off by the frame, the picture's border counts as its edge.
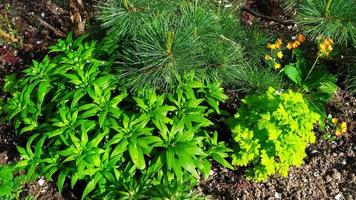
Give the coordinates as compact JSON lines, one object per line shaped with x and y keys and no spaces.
{"x":316,"y":83}
{"x":271,"y":132}
{"x":122,"y":144}
{"x":10,"y":185}
{"x":312,"y":79}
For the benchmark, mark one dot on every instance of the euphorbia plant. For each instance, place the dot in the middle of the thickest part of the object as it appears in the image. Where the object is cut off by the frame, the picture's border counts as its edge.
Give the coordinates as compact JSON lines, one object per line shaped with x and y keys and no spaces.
{"x":271,"y":132}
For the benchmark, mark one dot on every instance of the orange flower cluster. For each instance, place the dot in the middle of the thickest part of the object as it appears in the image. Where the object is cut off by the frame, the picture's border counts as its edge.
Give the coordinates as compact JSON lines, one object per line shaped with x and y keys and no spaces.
{"x":277,"y":45}
{"x":340,"y":128}
{"x":326,"y":47}
{"x":276,"y":52}
{"x":299,"y":39}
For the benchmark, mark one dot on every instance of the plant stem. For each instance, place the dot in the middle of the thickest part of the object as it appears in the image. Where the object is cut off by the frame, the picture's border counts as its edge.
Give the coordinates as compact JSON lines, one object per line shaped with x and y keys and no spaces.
{"x":327,"y":9}
{"x":126,"y":4}
{"x":316,"y":60}
{"x":169,"y":43}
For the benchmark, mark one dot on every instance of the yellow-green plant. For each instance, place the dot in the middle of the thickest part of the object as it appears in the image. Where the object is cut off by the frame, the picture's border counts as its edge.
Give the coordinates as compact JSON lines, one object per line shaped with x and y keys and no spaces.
{"x":271,"y":132}
{"x":11,"y":185}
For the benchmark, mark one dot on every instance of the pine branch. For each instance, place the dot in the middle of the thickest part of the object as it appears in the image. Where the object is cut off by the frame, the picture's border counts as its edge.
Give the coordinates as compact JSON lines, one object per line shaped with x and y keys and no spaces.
{"x":256,"y":14}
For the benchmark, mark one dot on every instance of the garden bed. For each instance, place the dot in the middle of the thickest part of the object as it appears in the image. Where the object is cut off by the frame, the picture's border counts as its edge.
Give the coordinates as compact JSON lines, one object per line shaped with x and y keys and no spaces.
{"x":328,"y":171}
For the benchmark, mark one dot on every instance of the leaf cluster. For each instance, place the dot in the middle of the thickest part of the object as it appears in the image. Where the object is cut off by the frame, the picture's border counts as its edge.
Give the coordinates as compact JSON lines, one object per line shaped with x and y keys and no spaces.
{"x":329,"y":18}
{"x":170,"y":38}
{"x":10,"y":185}
{"x":271,"y":132}
{"x":318,"y":88}
{"x":82,"y":125}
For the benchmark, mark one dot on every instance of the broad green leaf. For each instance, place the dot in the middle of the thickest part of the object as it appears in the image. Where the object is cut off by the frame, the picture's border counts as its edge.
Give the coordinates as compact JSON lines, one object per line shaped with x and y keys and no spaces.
{"x":141,"y":103}
{"x":43,"y":89}
{"x":91,"y":185}
{"x":120,"y":148}
{"x":293,"y":73}
{"x":222,"y":161}
{"x":117,"y":99}
{"x":73,"y":79}
{"x":170,"y":158}
{"x":205,"y":167}
{"x":61,"y":179}
{"x":137,"y":156}
{"x":177,"y":168}
{"x":102,"y":117}
{"x":93,"y":159}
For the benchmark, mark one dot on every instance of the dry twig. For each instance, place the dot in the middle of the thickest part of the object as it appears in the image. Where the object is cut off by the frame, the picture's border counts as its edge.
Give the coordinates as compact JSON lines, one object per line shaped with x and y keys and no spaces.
{"x":256,"y":14}
{"x":50,"y":27}
{"x":7,"y":37}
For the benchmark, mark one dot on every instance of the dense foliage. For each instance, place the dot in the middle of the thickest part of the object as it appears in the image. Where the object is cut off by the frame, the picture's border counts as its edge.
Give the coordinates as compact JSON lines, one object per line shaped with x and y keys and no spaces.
{"x":135,"y":114}
{"x":72,"y":105}
{"x":10,"y":185}
{"x":166,"y":39}
{"x":329,"y":18}
{"x":271,"y":132}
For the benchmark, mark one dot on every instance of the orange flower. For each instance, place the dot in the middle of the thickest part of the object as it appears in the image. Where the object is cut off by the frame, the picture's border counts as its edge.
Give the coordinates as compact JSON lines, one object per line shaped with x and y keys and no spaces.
{"x":268,"y":57}
{"x":341,"y":129}
{"x":279,"y":43}
{"x":326,"y":47}
{"x":290,"y":45}
{"x":300,"y":38}
{"x":276,"y":45}
{"x":271,"y":46}
{"x":334,"y":120}
{"x":295,"y":44}
{"x":328,"y":41}
{"x":280,"y":54}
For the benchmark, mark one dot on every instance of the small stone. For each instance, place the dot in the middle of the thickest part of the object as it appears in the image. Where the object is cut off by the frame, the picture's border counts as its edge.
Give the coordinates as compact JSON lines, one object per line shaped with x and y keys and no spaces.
{"x":43,"y":15}
{"x":278,"y":195}
{"x":336,"y":175}
{"x":338,"y":196}
{"x":41,"y":182}
{"x":316,"y":174}
{"x":328,"y":179}
{"x":315,"y":151}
